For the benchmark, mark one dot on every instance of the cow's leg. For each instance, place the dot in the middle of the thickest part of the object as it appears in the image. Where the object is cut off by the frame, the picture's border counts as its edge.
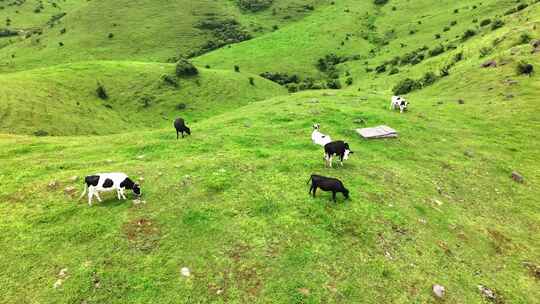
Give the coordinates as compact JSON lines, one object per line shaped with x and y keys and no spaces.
{"x":314,"y":190}
{"x":334,"y":196}
{"x":330,"y":161}
{"x":97,"y":196}
{"x":123,"y":194}
{"x":310,"y":189}
{"x":182,"y":134}
{"x":177,"y":135}
{"x":118,"y":194}
{"x":90,"y":195}
{"x":341,"y":160}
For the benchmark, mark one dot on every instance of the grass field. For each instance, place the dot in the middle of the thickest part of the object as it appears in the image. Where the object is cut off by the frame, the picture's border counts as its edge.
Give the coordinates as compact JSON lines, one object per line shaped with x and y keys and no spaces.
{"x":230,"y":202}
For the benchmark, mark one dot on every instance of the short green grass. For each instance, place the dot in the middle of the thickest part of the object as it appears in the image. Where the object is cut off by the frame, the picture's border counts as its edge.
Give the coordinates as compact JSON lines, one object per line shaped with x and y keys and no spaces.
{"x":435,"y":206}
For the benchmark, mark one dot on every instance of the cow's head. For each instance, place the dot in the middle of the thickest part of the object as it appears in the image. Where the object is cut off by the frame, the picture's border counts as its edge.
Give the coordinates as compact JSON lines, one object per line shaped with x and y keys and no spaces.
{"x":404,"y":104}
{"x":188,"y":130}
{"x":137,"y":189}
{"x":345,"y":192}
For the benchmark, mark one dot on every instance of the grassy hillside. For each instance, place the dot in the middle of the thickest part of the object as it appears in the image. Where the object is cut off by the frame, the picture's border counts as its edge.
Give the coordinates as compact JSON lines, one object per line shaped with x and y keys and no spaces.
{"x":62,"y":100}
{"x":144,"y":30}
{"x":435,"y":206}
{"x":230,"y":203}
{"x":373,"y":33}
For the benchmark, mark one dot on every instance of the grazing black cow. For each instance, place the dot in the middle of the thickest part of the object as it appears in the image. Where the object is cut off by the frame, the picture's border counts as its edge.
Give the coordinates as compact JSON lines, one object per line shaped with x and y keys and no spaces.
{"x":339,"y":148}
{"x":327,"y":184}
{"x":180,"y":126}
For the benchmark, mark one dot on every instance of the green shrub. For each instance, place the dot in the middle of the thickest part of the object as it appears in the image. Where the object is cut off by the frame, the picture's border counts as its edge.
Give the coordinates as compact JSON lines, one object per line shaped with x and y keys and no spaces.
{"x":484,"y":51}
{"x":497,"y":23}
{"x":254,"y":5}
{"x":349,"y":81}
{"x":468,"y":34}
{"x":380,"y":2}
{"x":524,"y":38}
{"x":524,"y":68}
{"x":436,"y":51}
{"x":485,"y":22}
{"x":333,"y":84}
{"x":184,"y":68}
{"x":405,"y":86}
{"x":281,"y":78}
{"x":170,"y":80}
{"x":380,"y":69}
{"x":393,"y":71}
{"x":181,"y":106}
{"x":428,"y":79}
{"x":224,"y":32}
{"x":252,"y":81}
{"x":41,"y":133}
{"x":237,"y":69}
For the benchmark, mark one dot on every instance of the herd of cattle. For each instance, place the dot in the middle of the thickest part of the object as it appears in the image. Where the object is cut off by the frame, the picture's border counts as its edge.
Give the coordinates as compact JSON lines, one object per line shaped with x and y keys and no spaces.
{"x":119,"y":182}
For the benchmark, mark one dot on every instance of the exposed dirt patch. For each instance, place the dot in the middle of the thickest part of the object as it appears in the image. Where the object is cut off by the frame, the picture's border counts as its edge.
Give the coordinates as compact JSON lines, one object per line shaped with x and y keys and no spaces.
{"x":534,"y":270}
{"x":499,"y":242}
{"x":142,"y":234}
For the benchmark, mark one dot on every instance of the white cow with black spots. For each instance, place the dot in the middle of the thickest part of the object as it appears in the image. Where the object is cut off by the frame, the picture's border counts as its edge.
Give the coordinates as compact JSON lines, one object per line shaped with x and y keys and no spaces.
{"x":400,"y":103}
{"x":106,"y":182}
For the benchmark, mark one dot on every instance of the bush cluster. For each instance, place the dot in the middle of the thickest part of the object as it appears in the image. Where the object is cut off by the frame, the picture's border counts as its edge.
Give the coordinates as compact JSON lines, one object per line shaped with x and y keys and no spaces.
{"x":224,"y":32}
{"x":408,"y":85}
{"x":254,"y":5}
{"x":184,"y":68}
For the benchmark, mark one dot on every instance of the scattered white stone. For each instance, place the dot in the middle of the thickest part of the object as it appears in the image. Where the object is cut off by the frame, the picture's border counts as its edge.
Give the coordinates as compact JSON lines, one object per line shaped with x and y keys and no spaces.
{"x":74,"y":178}
{"x":58,"y":283}
{"x":53,"y":184}
{"x":140,"y":157}
{"x":138,"y":202}
{"x":62,"y":273}
{"x":439,"y":291}
{"x":438,"y":202}
{"x":488,"y":293}
{"x":141,"y":179}
{"x":69,"y":190}
{"x":109,"y":161}
{"x":185,"y":272}
{"x":219,"y":291}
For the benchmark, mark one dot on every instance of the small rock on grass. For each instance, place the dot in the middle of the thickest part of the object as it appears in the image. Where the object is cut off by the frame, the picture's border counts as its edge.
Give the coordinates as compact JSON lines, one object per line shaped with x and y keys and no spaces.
{"x":518,"y":178}
{"x":74,"y":178}
{"x":439,"y":291}
{"x":58,"y":283}
{"x":70,"y":190}
{"x":487,"y":293}
{"x":304,"y":291}
{"x":53,"y":184}
{"x":185,"y":272}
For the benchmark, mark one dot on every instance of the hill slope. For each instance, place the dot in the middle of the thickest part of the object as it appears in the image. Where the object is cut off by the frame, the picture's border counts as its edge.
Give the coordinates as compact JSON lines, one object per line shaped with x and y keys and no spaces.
{"x":143,"y":30}
{"x":62,"y":100}
{"x":435,"y":206}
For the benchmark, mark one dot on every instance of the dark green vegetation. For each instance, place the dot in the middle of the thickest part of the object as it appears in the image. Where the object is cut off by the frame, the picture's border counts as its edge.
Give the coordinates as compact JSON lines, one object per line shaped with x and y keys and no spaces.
{"x":93,"y":86}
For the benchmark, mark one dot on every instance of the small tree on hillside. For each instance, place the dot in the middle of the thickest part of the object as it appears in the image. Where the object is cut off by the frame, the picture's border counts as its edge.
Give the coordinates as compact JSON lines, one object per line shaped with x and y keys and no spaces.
{"x":184,"y":68}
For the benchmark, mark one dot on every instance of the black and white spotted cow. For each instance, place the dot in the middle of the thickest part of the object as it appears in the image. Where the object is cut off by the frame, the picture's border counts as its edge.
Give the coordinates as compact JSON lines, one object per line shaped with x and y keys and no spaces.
{"x":106,"y":182}
{"x":400,"y":103}
{"x":338,"y":148}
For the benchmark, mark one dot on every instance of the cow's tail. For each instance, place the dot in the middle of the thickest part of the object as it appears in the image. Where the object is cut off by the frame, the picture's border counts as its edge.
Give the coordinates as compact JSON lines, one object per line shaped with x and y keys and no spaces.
{"x":310,"y":178}
{"x":84,"y":191}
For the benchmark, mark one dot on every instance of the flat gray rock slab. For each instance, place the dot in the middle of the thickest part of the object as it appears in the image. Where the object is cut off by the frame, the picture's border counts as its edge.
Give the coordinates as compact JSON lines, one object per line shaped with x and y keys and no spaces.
{"x":377,"y":132}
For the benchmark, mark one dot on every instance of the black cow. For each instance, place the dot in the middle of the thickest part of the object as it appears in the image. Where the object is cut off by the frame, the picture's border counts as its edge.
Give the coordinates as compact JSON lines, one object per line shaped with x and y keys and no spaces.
{"x":327,"y":184}
{"x":339,"y":148}
{"x":180,"y":126}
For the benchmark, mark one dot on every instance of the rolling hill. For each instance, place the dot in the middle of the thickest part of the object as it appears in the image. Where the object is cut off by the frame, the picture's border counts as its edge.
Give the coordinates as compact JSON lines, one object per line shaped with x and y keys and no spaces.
{"x":437,"y":205}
